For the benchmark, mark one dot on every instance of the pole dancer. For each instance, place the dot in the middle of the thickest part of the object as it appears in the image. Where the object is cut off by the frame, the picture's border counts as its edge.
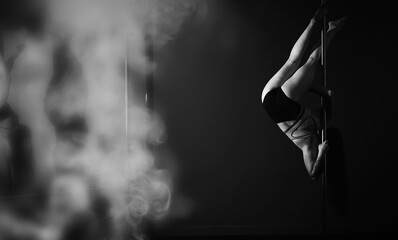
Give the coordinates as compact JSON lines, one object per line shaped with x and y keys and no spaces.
{"x":282,"y":93}
{"x":324,"y":120}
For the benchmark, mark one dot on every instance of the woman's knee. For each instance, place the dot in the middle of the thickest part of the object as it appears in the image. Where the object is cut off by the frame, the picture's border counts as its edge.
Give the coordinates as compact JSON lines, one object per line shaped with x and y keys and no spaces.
{"x":293,"y":62}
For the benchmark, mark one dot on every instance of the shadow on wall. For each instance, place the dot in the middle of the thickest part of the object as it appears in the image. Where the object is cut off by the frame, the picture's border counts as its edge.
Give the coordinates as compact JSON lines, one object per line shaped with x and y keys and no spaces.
{"x":337,"y":182}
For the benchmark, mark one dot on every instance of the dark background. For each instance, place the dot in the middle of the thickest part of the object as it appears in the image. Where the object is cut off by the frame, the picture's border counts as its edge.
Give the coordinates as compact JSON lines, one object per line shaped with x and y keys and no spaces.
{"x":240,"y":174}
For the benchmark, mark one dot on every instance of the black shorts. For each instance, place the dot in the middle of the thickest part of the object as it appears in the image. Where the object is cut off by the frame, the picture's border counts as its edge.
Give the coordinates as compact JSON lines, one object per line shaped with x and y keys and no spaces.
{"x":280,"y":107}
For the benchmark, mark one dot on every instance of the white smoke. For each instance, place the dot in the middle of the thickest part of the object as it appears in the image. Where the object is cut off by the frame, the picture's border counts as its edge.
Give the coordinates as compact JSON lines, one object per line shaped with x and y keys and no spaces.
{"x":105,"y":36}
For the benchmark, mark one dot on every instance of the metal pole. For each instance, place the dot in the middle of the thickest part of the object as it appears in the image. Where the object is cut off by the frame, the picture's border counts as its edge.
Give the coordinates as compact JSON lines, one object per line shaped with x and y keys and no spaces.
{"x":149,"y":76}
{"x":323,"y":125}
{"x":126,"y":96}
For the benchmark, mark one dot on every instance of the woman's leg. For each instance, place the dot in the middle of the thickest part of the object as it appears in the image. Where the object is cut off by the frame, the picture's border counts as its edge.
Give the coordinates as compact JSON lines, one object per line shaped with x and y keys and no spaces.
{"x":293,"y":62}
{"x":302,"y":79}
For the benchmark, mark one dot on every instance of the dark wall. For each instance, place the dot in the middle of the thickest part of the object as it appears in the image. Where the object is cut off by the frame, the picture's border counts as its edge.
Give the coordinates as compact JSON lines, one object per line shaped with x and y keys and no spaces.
{"x":26,"y":14}
{"x":237,"y":168}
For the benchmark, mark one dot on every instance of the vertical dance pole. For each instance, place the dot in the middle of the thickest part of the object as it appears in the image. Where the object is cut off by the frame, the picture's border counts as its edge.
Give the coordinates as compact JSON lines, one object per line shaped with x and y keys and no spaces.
{"x":126,"y":81}
{"x":126,"y":95}
{"x":149,"y":77}
{"x":127,"y":74}
{"x":323,"y":124}
{"x":150,"y":54}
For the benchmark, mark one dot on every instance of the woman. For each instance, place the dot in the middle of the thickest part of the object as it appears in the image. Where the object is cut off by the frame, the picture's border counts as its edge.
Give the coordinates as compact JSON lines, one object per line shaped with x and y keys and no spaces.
{"x":282,"y":93}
